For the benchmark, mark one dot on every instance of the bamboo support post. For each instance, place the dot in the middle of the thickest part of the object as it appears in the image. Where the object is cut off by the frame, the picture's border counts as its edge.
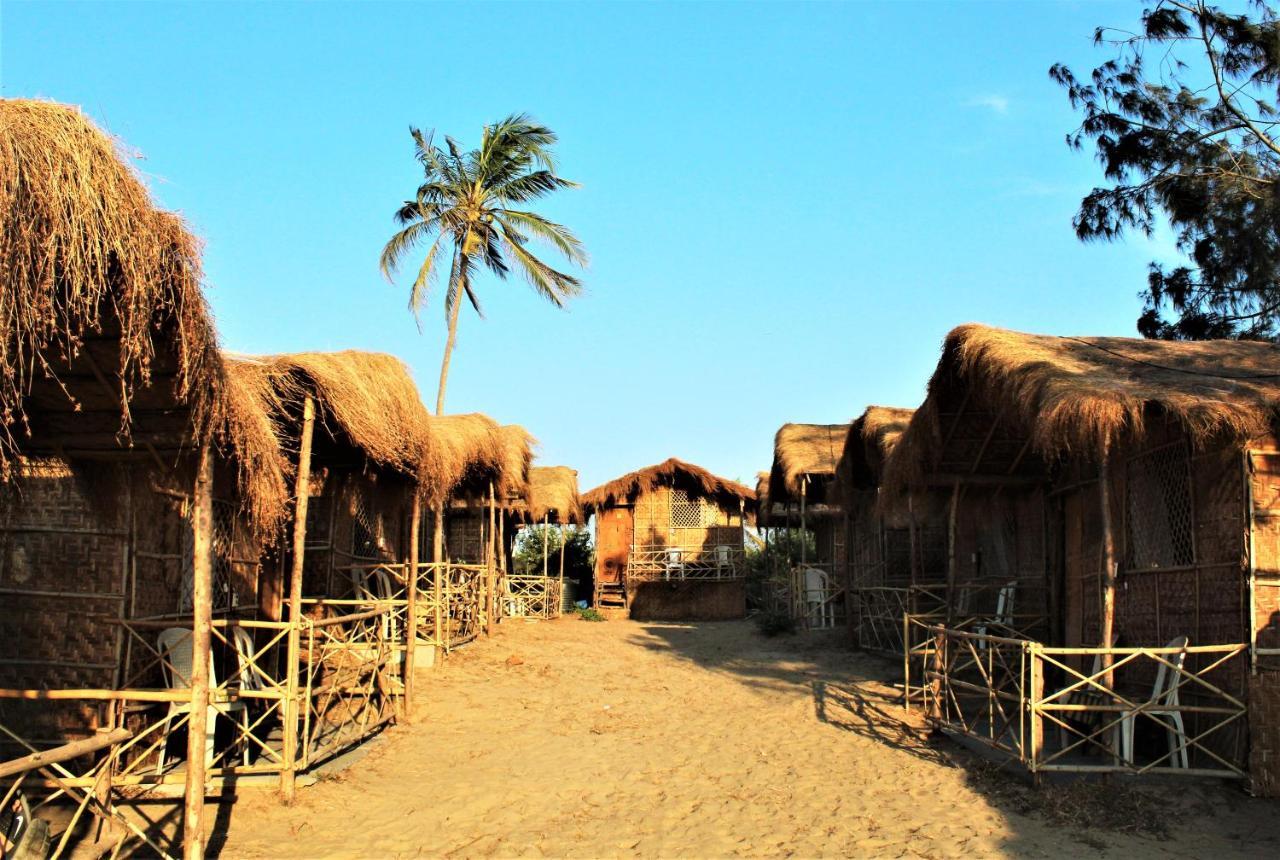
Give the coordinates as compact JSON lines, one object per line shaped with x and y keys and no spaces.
{"x":438,"y":573}
{"x":490,"y":567}
{"x":411,"y":600}
{"x":1108,"y":568}
{"x":201,"y":634}
{"x":302,"y":492}
{"x":951,"y":553}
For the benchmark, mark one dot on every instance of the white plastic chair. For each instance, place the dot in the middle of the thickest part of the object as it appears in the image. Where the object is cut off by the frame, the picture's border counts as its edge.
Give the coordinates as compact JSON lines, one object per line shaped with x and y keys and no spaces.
{"x":1164,"y":697}
{"x":375,"y":585}
{"x":1003,"y":619}
{"x":816,"y":586}
{"x":176,"y":648}
{"x":722,"y":559}
{"x":675,"y":563}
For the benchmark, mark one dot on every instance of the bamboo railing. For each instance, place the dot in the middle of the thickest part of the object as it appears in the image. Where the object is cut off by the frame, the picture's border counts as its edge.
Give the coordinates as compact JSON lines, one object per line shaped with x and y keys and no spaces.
{"x":1038,"y":706}
{"x":649,"y":563}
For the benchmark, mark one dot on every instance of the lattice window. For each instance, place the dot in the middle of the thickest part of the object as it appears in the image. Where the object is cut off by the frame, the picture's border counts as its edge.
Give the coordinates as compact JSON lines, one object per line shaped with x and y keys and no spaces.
{"x":1158,"y":509}
{"x":364,"y":531}
{"x":224,"y":592}
{"x":687,"y":513}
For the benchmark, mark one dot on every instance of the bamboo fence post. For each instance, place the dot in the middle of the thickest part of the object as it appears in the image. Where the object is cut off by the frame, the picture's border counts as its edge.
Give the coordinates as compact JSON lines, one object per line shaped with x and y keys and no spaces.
{"x":411,"y":600}
{"x":301,"y":493}
{"x":546,"y":530}
{"x":1108,"y":567}
{"x":951,"y":553}
{"x":201,"y":632}
{"x":939,"y":660}
{"x":560,"y":596}
{"x":1036,"y":747}
{"x":489,"y":602}
{"x":438,"y":574}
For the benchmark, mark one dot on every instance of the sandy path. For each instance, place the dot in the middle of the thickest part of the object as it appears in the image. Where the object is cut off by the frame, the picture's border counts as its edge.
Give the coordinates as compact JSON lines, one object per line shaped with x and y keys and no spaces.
{"x":626,"y":739}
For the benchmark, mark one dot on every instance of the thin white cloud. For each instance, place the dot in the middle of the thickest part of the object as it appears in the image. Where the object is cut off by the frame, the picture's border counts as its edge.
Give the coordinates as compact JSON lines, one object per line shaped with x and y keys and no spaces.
{"x":992,"y":102}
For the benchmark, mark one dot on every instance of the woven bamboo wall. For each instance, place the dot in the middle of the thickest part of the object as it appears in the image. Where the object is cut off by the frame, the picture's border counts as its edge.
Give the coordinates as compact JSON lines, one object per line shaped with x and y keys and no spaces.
{"x":721,"y":524}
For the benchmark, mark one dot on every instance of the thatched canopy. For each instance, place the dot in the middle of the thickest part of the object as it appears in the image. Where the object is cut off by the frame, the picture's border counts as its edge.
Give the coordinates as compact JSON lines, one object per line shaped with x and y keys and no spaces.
{"x":1005,"y":403}
{"x":474,"y":451}
{"x":871,"y":438}
{"x":366,"y":401}
{"x":671,"y":472}
{"x":106,"y":344}
{"x":552,"y":496}
{"x":803,"y":451}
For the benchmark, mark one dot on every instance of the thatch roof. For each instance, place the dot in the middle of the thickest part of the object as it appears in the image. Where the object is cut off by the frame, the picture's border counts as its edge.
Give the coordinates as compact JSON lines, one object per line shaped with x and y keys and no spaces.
{"x":368,"y":398}
{"x":87,"y":260}
{"x":474,"y":451}
{"x":671,"y":472}
{"x":1079,"y":395}
{"x":801,"y":450}
{"x":552,"y":495}
{"x":871,"y":438}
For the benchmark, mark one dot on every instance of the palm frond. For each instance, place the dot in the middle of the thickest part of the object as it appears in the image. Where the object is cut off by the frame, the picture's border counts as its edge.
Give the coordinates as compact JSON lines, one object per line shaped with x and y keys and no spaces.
{"x":552,"y":285}
{"x":401,"y":243}
{"x":558,"y":236}
{"x":422,"y":284}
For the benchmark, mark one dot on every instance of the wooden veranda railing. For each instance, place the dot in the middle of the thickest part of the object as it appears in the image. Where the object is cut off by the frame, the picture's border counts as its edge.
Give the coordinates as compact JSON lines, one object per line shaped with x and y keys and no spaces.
{"x":674,"y":563}
{"x":530,"y":596}
{"x":1088,"y":710}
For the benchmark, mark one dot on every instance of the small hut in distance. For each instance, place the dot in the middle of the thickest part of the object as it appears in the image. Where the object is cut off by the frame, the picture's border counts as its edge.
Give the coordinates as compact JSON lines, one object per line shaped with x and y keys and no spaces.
{"x":669,"y":543}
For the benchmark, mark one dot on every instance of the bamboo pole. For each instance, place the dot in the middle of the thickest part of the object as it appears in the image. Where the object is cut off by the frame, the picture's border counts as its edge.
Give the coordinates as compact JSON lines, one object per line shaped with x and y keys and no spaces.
{"x":560,"y":598}
{"x":301,"y":496}
{"x":1108,"y":567}
{"x":438,"y":574}
{"x":951,"y":553}
{"x":411,"y":601}
{"x":201,"y":634}
{"x":490,"y":567}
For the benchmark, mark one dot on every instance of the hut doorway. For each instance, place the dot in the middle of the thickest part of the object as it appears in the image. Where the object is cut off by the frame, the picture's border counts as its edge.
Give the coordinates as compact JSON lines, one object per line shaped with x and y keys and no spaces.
{"x":615,"y":528}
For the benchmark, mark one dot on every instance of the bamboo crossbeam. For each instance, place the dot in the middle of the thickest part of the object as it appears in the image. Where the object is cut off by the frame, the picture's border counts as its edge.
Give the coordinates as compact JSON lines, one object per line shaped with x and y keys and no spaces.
{"x":66,"y":752}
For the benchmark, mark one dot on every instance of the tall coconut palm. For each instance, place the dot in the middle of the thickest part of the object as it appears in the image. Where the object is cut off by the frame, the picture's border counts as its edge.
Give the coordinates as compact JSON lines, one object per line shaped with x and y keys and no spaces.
{"x":468,"y":203}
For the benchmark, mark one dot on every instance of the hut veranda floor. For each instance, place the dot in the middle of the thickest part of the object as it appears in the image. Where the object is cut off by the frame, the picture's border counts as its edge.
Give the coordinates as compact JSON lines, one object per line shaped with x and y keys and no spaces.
{"x":622,"y":738}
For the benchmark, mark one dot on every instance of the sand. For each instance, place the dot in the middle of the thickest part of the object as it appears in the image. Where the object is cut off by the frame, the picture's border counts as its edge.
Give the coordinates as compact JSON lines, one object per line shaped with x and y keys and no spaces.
{"x":622,"y":739}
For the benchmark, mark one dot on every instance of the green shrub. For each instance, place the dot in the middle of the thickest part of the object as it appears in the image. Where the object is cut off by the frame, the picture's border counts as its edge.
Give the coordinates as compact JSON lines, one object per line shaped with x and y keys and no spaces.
{"x":588,"y":615}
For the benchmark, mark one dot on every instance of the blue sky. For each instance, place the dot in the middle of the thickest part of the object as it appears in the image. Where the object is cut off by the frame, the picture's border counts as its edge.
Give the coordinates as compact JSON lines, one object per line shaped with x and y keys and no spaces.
{"x":787,"y":206}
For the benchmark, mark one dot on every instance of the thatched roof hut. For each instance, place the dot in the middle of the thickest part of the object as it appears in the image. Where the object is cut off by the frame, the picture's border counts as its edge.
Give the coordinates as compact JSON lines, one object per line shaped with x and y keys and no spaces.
{"x":870,"y":440}
{"x":1079,"y":396}
{"x":105,"y":338}
{"x":367,"y":399}
{"x":802,"y":452}
{"x":474,"y":451}
{"x":552,"y":495}
{"x":670,"y":472}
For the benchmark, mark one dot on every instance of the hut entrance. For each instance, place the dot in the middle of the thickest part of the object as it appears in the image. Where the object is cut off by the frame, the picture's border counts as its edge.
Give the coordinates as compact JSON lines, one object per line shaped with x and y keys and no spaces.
{"x":615,"y":528}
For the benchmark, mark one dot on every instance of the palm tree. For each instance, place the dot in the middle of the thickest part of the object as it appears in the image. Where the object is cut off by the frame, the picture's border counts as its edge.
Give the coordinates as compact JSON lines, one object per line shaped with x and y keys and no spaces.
{"x":466,"y":200}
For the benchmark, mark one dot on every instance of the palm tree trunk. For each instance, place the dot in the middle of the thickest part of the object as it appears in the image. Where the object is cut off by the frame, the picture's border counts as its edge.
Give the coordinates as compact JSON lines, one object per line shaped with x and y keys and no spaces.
{"x":448,"y":353}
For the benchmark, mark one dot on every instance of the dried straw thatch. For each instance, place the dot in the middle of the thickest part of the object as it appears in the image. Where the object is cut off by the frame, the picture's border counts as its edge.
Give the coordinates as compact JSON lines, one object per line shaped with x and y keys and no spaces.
{"x":552,"y":495}
{"x":84,"y":252}
{"x":1079,"y":395}
{"x":672,"y":472}
{"x":801,"y":450}
{"x":472,"y":450}
{"x":871,"y":438}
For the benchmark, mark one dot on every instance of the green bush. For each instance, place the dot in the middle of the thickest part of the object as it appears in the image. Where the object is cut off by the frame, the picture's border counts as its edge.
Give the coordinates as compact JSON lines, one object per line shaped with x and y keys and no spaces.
{"x":588,"y":614}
